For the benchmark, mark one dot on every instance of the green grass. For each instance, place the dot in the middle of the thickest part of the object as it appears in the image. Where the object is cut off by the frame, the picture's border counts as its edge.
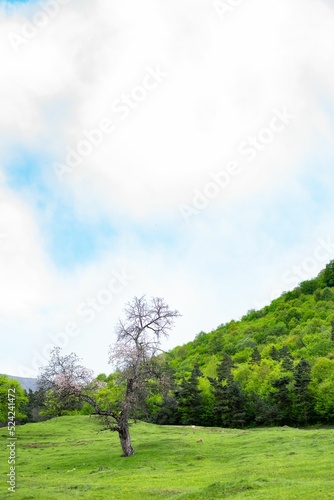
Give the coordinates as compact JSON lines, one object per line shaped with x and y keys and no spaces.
{"x":67,"y":458}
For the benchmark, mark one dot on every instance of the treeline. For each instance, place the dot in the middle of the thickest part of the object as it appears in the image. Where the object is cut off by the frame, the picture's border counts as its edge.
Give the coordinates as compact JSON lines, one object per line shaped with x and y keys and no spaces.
{"x":298,"y":394}
{"x":293,"y":398}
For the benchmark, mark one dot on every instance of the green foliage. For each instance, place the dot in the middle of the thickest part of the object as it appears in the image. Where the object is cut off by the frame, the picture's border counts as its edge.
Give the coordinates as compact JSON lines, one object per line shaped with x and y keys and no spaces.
{"x":256,"y":356}
{"x":302,"y":395}
{"x":328,"y":274}
{"x":53,"y":406}
{"x":327,"y":294}
{"x":322,"y":387}
{"x":308,"y":287}
{"x":282,"y":400}
{"x":190,"y":399}
{"x":229,"y":400}
{"x":272,"y":355}
{"x":12,"y":398}
{"x":224,"y":368}
{"x":34,"y":405}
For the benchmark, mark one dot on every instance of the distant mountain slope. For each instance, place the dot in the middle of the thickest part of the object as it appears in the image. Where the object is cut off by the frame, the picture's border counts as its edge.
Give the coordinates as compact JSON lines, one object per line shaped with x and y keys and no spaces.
{"x":27,"y":383}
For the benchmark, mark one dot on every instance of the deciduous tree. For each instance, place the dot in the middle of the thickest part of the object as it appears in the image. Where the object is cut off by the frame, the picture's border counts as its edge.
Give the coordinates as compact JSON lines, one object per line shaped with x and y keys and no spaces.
{"x":12,"y":399}
{"x":133,"y":354}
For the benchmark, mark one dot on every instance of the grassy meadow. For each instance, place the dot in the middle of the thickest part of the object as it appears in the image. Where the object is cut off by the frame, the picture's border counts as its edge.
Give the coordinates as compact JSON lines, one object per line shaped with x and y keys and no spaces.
{"x":68,"y":457}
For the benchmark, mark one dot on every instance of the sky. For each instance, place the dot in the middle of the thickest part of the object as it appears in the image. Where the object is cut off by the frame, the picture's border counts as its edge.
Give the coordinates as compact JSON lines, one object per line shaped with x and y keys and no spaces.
{"x":179,"y":149}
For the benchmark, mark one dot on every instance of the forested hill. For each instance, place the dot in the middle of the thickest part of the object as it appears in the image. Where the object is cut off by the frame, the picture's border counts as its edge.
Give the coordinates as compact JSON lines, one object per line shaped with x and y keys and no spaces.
{"x":264,"y":360}
{"x":299,"y":320}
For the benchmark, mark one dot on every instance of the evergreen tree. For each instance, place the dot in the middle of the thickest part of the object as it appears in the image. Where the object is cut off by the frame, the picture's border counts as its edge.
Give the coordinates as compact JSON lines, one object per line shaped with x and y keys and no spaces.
{"x":282,"y":401}
{"x":233,"y":406}
{"x":287,"y":364}
{"x":284,"y":352}
{"x":224,"y":374}
{"x":302,"y":398}
{"x":168,"y":411}
{"x":190,"y":399}
{"x":287,"y":359}
{"x":229,"y":408}
{"x":260,"y":411}
{"x":224,"y":369}
{"x":256,"y":356}
{"x":219,"y":394}
{"x":274,"y":354}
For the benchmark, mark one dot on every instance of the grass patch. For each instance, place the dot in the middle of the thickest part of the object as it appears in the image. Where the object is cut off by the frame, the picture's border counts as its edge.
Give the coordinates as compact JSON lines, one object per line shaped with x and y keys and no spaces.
{"x":68,"y":457}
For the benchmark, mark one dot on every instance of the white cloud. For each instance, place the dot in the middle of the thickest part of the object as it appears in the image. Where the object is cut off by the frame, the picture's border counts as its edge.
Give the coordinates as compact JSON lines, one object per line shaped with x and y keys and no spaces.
{"x":24,"y":269}
{"x":225,"y":79}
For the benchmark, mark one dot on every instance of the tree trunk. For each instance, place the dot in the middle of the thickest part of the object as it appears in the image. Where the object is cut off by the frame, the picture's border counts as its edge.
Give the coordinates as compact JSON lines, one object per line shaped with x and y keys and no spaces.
{"x":125,"y":439}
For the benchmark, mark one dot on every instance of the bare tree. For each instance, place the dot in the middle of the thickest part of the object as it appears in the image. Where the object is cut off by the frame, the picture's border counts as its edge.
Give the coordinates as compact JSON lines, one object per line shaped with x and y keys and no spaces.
{"x":138,"y":341}
{"x":134,"y":355}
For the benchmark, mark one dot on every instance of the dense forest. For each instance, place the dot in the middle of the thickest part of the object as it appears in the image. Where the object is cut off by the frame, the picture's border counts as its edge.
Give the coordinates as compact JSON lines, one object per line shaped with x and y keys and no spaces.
{"x":273,"y":367}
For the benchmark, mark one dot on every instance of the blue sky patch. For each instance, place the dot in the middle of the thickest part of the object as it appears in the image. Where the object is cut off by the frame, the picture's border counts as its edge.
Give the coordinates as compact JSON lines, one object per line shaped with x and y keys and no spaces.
{"x":70,"y":240}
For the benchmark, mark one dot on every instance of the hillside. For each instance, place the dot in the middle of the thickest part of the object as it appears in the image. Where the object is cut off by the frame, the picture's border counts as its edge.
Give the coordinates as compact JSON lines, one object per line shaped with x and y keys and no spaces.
{"x":67,"y":458}
{"x":300,"y":320}
{"x":266,"y":355}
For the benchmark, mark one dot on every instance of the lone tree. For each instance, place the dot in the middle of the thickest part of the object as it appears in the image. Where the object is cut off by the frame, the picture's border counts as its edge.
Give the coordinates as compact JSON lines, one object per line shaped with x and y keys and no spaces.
{"x":133,"y":354}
